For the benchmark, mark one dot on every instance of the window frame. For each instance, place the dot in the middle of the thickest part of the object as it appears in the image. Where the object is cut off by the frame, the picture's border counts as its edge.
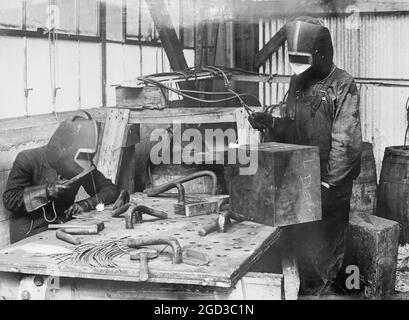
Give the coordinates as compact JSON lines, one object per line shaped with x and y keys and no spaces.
{"x":99,"y":38}
{"x":101,"y":24}
{"x":77,"y":36}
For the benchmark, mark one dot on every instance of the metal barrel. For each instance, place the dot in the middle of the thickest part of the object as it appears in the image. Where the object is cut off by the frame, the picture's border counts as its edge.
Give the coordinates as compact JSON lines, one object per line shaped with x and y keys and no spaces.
{"x":393,"y":191}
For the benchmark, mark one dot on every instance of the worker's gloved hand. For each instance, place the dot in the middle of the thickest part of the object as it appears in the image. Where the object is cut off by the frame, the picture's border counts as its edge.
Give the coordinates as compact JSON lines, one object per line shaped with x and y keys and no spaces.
{"x":261,"y":120}
{"x":75,"y":209}
{"x":56,"y":191}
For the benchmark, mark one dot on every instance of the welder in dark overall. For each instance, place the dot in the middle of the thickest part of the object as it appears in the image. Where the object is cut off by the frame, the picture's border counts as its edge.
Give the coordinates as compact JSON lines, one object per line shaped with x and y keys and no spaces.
{"x":321,"y":109}
{"x":43,"y":182}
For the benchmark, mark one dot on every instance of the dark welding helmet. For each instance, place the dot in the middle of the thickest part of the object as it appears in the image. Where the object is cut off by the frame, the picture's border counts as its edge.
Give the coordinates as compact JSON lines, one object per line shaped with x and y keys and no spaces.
{"x":73,"y":146}
{"x":309,"y":46}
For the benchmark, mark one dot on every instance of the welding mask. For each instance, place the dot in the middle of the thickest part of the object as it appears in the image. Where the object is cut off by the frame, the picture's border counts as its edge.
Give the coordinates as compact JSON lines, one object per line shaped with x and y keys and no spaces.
{"x":309,"y":46}
{"x":73,"y":146}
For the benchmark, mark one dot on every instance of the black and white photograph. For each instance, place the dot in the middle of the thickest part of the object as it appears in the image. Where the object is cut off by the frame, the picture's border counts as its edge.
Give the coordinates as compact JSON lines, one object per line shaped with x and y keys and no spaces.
{"x":222,"y":151}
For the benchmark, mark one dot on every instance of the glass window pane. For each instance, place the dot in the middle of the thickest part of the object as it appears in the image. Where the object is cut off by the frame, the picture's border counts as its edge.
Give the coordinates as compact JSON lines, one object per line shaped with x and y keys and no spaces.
{"x":88,"y":17}
{"x":132,"y":18}
{"x":11,"y":14}
{"x":139,"y":23}
{"x":147,"y":26}
{"x":38,"y":14}
{"x":188,"y":22}
{"x":174,"y":13}
{"x":66,"y":18}
{"x":114,"y":20}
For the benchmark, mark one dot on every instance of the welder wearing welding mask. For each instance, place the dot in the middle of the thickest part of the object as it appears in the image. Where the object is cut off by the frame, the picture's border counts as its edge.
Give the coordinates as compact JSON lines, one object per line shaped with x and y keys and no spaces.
{"x":43,"y":182}
{"x":321,"y":109}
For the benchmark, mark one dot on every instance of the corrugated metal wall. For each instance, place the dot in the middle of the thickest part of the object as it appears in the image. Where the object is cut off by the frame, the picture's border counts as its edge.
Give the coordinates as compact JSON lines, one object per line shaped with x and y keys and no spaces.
{"x":367,"y":45}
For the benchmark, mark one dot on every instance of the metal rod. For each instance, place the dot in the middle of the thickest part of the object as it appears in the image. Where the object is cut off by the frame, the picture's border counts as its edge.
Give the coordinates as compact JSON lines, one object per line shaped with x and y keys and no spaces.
{"x":154,"y":191}
{"x":265,"y":78}
{"x":249,"y":76}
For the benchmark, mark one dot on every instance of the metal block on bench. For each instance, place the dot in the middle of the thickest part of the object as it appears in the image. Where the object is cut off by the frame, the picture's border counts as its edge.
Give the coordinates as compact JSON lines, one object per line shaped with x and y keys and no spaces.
{"x":285,"y":188}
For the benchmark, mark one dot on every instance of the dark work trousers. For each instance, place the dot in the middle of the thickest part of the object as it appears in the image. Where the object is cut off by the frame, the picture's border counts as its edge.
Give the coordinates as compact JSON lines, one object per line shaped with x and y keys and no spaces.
{"x":319,"y":246}
{"x":25,"y":225}
{"x":22,"y":227}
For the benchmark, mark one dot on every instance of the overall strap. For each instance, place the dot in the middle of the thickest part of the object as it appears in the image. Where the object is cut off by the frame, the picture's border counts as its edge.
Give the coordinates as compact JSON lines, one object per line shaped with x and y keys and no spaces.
{"x":330,"y":79}
{"x":324,"y":86}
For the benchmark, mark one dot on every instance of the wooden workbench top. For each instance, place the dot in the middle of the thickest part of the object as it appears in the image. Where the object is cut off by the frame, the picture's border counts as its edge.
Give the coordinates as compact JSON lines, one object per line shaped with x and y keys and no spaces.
{"x":230,"y":254}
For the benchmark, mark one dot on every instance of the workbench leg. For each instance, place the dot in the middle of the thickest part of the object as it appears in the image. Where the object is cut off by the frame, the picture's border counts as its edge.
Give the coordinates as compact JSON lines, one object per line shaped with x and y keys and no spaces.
{"x":37,"y":287}
{"x":258,"y":286}
{"x":291,"y":275}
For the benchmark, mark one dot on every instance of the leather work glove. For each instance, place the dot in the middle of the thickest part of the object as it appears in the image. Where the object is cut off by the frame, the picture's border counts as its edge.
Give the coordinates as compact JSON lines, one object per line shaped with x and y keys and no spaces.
{"x":261,"y":120}
{"x":56,"y":191}
{"x":75,"y":209}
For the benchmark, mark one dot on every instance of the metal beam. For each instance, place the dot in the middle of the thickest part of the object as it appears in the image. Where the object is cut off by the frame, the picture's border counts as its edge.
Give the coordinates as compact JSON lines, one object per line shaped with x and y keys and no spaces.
{"x":168,"y":37}
{"x":276,"y":78}
{"x":270,"y":47}
{"x":103,"y":37}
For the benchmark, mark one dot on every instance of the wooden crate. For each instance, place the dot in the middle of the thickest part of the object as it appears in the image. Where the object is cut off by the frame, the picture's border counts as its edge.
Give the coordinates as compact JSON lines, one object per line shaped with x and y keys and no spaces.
{"x":284,"y":190}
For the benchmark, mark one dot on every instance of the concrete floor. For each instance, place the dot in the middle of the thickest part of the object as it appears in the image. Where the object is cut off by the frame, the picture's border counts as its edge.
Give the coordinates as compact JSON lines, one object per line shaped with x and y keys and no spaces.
{"x":402,"y":274}
{"x":401,"y":287}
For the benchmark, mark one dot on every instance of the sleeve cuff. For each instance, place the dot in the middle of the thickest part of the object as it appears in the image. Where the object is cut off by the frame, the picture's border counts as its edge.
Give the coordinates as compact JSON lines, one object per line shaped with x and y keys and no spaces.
{"x":35,"y":197}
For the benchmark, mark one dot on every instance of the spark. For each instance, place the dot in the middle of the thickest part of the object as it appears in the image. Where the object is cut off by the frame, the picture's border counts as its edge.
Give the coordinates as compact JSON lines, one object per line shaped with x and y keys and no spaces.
{"x":100,"y":207}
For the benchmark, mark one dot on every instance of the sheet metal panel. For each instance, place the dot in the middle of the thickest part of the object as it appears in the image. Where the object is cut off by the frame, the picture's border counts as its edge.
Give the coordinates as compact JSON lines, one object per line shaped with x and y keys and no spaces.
{"x":12,"y":101}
